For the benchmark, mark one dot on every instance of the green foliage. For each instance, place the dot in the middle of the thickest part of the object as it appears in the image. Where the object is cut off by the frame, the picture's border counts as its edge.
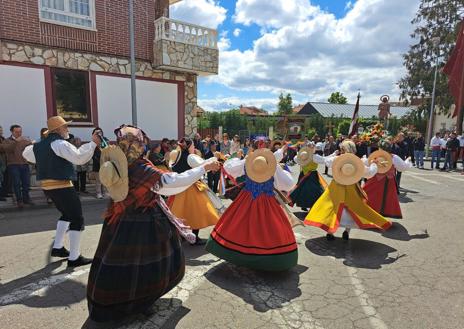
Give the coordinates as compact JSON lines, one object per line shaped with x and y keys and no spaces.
{"x":344,"y":126}
{"x":285,"y":105}
{"x":311,"y":132}
{"x":337,"y":98}
{"x":435,"y":20}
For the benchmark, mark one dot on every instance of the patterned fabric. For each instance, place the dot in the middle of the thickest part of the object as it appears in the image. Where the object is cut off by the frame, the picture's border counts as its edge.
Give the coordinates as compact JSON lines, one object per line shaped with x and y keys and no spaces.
{"x":256,"y":189}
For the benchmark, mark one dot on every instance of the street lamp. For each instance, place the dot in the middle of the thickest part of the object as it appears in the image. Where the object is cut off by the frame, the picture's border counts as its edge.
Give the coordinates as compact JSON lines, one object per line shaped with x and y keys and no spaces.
{"x":132,"y":62}
{"x":435,"y":42}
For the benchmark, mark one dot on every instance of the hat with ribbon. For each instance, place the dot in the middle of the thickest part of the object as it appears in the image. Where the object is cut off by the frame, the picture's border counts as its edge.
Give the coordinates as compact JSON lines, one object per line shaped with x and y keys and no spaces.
{"x":347,"y":169}
{"x":305,"y":155}
{"x":383,"y":159}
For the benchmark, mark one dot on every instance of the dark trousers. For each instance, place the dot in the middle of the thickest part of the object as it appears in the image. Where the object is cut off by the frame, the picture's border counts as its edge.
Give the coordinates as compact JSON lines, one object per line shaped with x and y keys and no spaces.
{"x":213,"y":180}
{"x":20,"y":177}
{"x":81,"y":181}
{"x":5,"y":186}
{"x":398,"y":180}
{"x":68,"y":204}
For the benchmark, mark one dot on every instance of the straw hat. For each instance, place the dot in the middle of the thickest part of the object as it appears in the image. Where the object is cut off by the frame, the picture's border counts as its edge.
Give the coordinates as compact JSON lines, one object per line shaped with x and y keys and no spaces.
{"x":347,"y":169}
{"x":174,"y":156}
{"x":114,"y":173}
{"x":305,"y":155}
{"x":260,"y":165}
{"x":276,"y":141}
{"x":54,"y":123}
{"x":384,"y":160}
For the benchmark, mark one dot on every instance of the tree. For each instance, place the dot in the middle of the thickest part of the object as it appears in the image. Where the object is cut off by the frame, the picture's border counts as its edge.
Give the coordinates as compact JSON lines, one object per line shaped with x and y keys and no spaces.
{"x":337,"y":98}
{"x":285,"y":106}
{"x":435,"y":35}
{"x":344,"y":127}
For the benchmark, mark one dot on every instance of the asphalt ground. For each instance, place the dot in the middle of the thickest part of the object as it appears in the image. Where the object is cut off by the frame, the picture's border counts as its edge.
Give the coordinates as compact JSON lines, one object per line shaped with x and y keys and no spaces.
{"x":410,"y":276}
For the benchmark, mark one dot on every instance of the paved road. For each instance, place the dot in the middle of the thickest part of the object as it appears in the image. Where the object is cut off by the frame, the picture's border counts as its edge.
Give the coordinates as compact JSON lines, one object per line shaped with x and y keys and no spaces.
{"x":412,"y":276}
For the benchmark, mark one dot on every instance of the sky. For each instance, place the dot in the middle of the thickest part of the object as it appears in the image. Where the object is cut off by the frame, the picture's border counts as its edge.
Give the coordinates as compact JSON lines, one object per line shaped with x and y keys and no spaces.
{"x":308,"y":48}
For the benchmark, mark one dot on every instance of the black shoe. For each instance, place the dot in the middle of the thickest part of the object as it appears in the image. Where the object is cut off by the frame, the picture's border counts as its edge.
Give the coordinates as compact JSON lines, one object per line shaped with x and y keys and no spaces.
{"x":329,"y":237}
{"x":199,"y":242}
{"x":304,"y":209}
{"x":346,"y":236}
{"x":80,"y":261}
{"x":62,"y":252}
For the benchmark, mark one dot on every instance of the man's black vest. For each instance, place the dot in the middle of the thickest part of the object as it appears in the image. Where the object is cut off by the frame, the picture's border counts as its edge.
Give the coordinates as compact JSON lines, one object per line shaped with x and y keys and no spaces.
{"x":49,"y":165}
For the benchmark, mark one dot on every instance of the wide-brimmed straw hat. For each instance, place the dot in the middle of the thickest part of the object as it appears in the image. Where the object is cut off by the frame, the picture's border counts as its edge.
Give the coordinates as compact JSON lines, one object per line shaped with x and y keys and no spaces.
{"x":347,"y":169}
{"x":305,"y":155}
{"x":114,"y":173}
{"x":54,"y":123}
{"x":384,"y":160}
{"x":260,"y":165}
{"x":174,"y":156}
{"x":276,"y":141}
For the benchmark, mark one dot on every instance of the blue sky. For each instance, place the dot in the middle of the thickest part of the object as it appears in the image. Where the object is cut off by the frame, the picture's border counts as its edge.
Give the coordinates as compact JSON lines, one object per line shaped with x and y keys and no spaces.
{"x":308,"y":48}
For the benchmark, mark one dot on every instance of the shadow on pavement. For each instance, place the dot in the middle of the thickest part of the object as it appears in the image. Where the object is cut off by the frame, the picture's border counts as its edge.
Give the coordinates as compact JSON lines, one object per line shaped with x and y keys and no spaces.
{"x":403,"y":198}
{"x":158,"y":317}
{"x":355,"y":252}
{"x":264,"y":290}
{"x":399,"y":232}
{"x":193,"y":252}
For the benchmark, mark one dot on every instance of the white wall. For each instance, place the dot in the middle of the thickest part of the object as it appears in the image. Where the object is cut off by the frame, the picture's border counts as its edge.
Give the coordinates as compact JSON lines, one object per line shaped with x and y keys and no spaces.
{"x":22,"y":99}
{"x":157,"y":108}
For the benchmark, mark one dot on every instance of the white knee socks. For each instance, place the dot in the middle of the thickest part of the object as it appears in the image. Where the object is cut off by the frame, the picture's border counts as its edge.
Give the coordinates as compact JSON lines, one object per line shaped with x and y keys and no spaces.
{"x":61,"y":228}
{"x":74,"y":244}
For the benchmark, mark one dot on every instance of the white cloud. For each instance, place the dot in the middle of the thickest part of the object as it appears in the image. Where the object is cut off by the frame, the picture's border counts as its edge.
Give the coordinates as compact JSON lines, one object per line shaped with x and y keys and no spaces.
{"x":206,"y":13}
{"x":349,"y":5}
{"x":310,"y":52}
{"x":227,"y":103}
{"x":237,"y":32}
{"x":224,"y":42}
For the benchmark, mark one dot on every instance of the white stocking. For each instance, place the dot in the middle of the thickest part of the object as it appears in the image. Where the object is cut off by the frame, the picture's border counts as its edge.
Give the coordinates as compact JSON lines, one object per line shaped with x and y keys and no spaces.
{"x":74,"y":244}
{"x":61,"y":228}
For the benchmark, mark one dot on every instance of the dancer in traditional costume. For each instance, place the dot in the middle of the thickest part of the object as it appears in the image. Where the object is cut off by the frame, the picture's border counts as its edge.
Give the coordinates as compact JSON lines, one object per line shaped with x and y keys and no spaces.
{"x":310,"y":185}
{"x":54,"y":158}
{"x":344,"y":203}
{"x":255,"y":231}
{"x":139,"y":256}
{"x":198,"y":206}
{"x":381,"y":190}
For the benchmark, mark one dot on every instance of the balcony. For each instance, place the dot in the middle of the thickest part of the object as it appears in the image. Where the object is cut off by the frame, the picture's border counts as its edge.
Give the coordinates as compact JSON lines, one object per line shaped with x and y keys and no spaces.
{"x":180,"y":46}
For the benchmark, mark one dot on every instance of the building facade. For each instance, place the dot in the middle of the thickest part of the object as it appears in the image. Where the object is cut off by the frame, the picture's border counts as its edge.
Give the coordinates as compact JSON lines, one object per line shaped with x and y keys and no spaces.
{"x":71,"y":57}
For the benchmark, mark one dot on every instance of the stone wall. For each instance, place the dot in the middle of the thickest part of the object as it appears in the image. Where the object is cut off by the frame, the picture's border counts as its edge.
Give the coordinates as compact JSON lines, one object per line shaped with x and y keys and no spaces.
{"x":39,"y":55}
{"x":171,"y":54}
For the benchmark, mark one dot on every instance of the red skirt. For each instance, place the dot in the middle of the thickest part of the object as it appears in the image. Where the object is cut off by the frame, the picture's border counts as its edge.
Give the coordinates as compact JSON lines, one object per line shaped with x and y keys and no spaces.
{"x":255,"y":233}
{"x":382,"y":195}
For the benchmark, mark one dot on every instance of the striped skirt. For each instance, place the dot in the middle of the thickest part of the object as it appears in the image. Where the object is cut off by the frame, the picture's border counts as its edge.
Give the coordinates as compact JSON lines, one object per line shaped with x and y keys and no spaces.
{"x":139,"y":258}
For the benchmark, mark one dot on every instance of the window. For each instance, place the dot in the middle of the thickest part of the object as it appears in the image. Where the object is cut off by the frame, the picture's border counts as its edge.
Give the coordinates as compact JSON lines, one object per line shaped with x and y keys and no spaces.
{"x":71,"y":95}
{"x":76,"y":13}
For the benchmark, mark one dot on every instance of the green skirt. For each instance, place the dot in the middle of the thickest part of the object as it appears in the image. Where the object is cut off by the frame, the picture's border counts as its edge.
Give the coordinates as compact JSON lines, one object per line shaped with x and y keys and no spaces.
{"x":308,"y":190}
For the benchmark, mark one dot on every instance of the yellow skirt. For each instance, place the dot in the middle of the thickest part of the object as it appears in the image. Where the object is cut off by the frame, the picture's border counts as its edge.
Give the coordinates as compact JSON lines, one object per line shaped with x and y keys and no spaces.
{"x":327,"y":211}
{"x":194,"y":207}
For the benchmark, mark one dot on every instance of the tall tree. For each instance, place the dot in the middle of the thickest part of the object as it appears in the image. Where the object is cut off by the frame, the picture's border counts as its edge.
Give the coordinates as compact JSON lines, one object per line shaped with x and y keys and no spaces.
{"x":285,"y":105}
{"x":435,"y":34}
{"x":337,"y":98}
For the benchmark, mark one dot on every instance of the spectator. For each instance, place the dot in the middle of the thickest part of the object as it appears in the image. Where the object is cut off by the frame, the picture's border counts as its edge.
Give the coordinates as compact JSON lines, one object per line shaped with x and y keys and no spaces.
{"x":197,"y":142}
{"x":204,"y":148}
{"x":461,"y":149}
{"x":99,"y":188}
{"x":216,"y":140}
{"x":246,"y":146}
{"x":80,"y":184}
{"x":235,"y":145}
{"x":17,"y":166}
{"x":409,"y":140}
{"x":419,"y":150}
{"x":213,"y":177}
{"x":452,"y":145}
{"x":443,"y":145}
{"x":3,"y":182}
{"x":329,"y":148}
{"x":435,"y":144}
{"x":156,"y":157}
{"x":165,"y":147}
{"x":400,"y":148}
{"x":225,"y":144}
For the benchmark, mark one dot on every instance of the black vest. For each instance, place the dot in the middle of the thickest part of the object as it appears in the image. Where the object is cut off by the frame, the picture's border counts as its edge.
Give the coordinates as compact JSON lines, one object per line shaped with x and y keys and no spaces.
{"x":49,"y":165}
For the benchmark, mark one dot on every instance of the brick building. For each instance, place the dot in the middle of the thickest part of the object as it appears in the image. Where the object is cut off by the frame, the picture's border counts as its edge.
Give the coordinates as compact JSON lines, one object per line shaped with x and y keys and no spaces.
{"x":71,"y":57}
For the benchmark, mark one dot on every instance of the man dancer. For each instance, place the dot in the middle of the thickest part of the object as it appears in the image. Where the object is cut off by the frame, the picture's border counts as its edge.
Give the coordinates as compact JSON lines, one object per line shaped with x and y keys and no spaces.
{"x":55,"y":157}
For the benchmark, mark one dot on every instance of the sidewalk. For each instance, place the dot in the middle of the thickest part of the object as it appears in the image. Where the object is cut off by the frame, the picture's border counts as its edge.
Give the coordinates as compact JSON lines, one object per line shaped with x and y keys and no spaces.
{"x":38,"y":198}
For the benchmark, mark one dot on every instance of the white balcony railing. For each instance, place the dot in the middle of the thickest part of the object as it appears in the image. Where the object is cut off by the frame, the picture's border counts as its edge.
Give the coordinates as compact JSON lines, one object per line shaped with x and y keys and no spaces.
{"x":171,"y":29}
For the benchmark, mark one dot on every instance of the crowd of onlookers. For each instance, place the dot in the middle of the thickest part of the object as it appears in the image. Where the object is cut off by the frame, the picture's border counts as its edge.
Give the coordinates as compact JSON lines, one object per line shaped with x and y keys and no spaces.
{"x":15,"y":172}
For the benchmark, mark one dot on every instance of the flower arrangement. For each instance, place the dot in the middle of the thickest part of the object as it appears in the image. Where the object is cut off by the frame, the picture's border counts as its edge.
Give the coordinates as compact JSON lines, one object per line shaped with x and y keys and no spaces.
{"x":373,"y":134}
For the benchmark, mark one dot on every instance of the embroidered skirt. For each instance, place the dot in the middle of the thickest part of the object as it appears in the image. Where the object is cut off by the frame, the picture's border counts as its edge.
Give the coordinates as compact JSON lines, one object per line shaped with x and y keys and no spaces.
{"x":139,"y":258}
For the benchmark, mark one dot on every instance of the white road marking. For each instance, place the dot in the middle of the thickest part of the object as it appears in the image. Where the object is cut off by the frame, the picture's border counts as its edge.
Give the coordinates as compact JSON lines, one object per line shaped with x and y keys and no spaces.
{"x":449,"y":176}
{"x":367,"y":306}
{"x":39,"y":288}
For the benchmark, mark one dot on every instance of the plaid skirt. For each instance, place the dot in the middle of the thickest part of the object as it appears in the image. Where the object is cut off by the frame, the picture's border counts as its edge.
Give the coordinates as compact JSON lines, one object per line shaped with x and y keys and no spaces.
{"x":139,"y":258}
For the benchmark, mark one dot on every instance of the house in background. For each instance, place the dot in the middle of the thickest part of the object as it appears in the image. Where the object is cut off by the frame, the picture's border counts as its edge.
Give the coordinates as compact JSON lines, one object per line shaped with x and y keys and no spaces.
{"x":252,"y":111}
{"x":71,"y":58}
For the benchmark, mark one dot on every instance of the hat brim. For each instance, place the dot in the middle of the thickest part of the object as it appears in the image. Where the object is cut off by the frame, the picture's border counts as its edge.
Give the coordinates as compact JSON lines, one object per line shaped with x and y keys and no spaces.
{"x":173,"y":162}
{"x":307,"y":161}
{"x":66,"y":123}
{"x":119,"y":190}
{"x":387,"y":160}
{"x":264,"y":175}
{"x":340,"y":161}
